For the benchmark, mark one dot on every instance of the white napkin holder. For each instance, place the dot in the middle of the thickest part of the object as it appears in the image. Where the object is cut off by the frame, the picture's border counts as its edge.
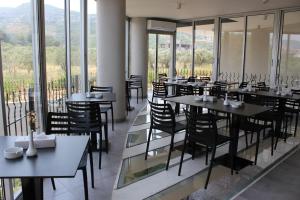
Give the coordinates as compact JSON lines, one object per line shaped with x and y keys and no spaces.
{"x":40,"y":141}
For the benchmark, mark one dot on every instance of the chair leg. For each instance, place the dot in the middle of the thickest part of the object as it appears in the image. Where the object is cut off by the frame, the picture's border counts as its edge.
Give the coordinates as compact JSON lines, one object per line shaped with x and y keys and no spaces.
{"x":53,"y":184}
{"x":91,"y":165}
{"x":194,"y":150}
{"x":85,"y":183}
{"x":142,"y":95}
{"x":272,"y":142}
{"x":170,"y":151}
{"x":257,"y":146}
{"x":296,"y":124}
{"x":182,"y":155}
{"x":206,"y":155}
{"x":137,"y":95}
{"x":210,"y":166}
{"x":106,"y":137}
{"x":148,"y":142}
{"x":246,"y":138}
{"x":100,"y":151}
{"x":285,"y":129}
{"x":112,"y":118}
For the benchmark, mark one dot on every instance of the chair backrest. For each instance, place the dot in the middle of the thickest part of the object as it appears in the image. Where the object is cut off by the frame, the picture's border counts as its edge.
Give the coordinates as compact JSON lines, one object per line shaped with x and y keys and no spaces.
{"x":243,"y":85}
{"x":101,"y":89}
{"x":270,"y":102}
{"x":83,"y":117}
{"x":182,"y":90}
{"x":192,"y":79}
{"x":136,"y":81}
{"x":57,"y":123}
{"x":162,"y":115}
{"x":262,"y":86}
{"x":198,"y":124}
{"x":159,"y":89}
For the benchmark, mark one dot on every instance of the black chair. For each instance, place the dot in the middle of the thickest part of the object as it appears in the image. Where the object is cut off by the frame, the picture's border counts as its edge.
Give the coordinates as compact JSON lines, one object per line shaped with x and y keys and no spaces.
{"x":183,"y":90}
{"x":159,"y":90}
{"x":57,"y":123}
{"x":163,"y":118}
{"x":192,"y":79}
{"x":105,"y":106}
{"x":202,"y":130}
{"x":243,"y":85}
{"x":262,"y":86}
{"x":162,"y":77}
{"x":136,"y":83}
{"x":291,"y":110}
{"x":85,"y":118}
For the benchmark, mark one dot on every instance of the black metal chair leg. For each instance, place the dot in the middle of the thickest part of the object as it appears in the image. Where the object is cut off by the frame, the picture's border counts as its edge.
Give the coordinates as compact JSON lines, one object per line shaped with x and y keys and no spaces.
{"x":85,"y":183}
{"x":148,"y":142}
{"x":206,"y":156}
{"x":170,"y":151}
{"x":296,"y":124}
{"x":106,"y":137}
{"x":91,"y":165}
{"x":182,"y":155}
{"x":272,"y":142}
{"x":137,"y":95}
{"x":246,"y":139}
{"x":112,"y":118}
{"x":53,"y":184}
{"x":210,"y":166}
{"x":100,"y":151}
{"x":257,"y":146}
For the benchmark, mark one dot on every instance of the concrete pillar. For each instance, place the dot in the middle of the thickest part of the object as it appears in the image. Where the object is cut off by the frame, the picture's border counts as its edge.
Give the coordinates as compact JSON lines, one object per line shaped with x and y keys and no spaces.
{"x":139,"y":49}
{"x":111,"y":50}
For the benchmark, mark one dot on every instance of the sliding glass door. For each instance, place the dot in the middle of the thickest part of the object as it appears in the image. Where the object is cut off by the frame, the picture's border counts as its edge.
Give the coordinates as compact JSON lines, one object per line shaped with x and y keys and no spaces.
{"x":160,"y":56}
{"x":231,"y":48}
{"x":259,"y":43}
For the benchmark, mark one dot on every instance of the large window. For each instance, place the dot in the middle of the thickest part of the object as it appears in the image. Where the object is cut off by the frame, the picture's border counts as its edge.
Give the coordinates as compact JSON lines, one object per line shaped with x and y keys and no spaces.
{"x":259,"y":47}
{"x":18,"y":84}
{"x":151,"y":58}
{"x":55,"y":55}
{"x":290,"y":51}
{"x":92,"y":54}
{"x":184,"y":49}
{"x":231,"y":60}
{"x":164,"y":57}
{"x":204,"y":47}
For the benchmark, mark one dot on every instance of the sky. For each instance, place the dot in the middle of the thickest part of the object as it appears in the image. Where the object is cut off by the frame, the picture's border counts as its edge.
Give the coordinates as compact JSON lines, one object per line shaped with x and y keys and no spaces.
{"x":75,"y":4}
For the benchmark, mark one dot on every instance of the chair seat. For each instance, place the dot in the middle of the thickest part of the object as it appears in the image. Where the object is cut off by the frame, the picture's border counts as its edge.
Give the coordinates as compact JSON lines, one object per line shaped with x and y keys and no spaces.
{"x":179,"y":126}
{"x":208,"y":139}
{"x":254,"y":127}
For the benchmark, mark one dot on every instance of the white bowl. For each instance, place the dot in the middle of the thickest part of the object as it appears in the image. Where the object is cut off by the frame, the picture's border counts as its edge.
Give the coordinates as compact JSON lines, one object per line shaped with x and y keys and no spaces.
{"x":13,"y":152}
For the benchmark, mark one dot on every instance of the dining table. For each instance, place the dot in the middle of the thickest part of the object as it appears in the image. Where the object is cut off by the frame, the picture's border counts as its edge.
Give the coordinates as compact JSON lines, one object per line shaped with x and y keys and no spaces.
{"x":103,"y":97}
{"x":61,"y":161}
{"x":231,"y":159}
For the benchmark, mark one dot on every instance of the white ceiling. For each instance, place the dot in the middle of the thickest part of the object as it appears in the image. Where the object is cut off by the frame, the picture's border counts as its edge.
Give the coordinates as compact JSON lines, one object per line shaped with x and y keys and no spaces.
{"x":200,"y":8}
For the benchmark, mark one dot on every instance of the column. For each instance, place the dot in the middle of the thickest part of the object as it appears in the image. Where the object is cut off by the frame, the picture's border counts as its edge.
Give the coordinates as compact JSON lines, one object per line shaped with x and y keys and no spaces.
{"x":139,"y":50}
{"x":111,"y":50}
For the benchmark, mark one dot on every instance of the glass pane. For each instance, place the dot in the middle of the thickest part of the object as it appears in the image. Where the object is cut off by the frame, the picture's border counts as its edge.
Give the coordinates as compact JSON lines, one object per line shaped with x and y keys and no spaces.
{"x":164,"y":61}
{"x":16,"y":40}
{"x":55,"y":55}
{"x":151,"y":59}
{"x":184,"y":50}
{"x":290,"y":51}
{"x":92,"y":54}
{"x":204,"y":48}
{"x":231,"y":49}
{"x":75,"y":44}
{"x":259,"y":48}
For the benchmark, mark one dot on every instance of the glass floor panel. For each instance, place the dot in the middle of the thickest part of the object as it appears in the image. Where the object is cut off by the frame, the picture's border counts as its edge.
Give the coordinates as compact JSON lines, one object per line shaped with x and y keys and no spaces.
{"x":137,"y":168}
{"x":141,"y":136}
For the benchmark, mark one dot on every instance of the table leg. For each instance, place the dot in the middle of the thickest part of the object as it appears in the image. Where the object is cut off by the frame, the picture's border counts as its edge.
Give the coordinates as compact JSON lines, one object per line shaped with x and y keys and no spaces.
{"x":231,"y":160}
{"x":32,"y":188}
